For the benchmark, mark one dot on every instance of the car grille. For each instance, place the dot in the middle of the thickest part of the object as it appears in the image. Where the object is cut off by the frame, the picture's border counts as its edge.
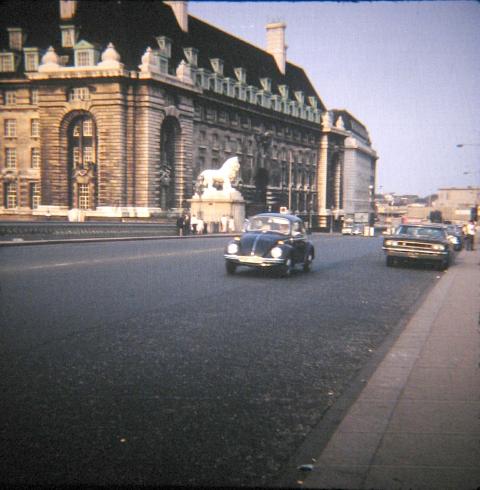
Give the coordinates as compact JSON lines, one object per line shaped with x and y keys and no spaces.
{"x":414,"y":245}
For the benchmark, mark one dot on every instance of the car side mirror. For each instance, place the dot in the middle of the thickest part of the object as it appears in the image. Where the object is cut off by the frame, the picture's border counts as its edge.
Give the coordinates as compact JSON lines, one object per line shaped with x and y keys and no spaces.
{"x":245,"y":225}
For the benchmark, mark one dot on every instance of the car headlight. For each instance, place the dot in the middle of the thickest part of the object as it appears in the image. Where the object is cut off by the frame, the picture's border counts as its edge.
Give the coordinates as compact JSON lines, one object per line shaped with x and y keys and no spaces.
{"x":392,"y":243}
{"x":438,"y":247}
{"x":232,"y":248}
{"x":276,"y":252}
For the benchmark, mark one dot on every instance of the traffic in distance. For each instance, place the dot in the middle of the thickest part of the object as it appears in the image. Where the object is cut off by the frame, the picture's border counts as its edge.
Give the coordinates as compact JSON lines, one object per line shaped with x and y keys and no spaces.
{"x":278,"y":241}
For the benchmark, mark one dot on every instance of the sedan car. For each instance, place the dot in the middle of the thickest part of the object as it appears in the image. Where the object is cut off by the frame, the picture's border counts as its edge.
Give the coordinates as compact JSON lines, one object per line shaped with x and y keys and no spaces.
{"x":422,"y":242}
{"x":354,"y":229}
{"x":271,"y":240}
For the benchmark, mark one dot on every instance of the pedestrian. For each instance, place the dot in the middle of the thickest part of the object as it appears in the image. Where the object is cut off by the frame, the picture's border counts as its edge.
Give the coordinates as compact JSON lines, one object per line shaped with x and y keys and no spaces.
{"x":186,"y":224}
{"x":200,"y":226}
{"x":223,"y":221}
{"x":194,"y":224}
{"x":180,"y":225}
{"x":231,"y":224}
{"x":471,"y":235}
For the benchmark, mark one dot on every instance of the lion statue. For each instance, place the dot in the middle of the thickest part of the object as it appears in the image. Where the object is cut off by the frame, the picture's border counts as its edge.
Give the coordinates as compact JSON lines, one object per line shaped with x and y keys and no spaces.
{"x":224,"y":175}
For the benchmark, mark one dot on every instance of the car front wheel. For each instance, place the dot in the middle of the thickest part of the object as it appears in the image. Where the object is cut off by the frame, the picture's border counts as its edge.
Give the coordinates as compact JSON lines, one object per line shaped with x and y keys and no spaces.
{"x":307,"y":262}
{"x":287,"y":268}
{"x":230,"y":267}
{"x":390,"y":261}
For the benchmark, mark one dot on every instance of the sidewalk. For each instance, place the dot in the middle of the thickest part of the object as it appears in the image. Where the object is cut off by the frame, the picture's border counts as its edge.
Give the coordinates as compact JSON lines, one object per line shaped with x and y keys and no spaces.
{"x":416,"y":424}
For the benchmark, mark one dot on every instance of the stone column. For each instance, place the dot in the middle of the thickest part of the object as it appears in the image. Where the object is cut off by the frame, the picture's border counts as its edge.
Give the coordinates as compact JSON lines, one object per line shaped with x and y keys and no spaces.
{"x":322,"y":181}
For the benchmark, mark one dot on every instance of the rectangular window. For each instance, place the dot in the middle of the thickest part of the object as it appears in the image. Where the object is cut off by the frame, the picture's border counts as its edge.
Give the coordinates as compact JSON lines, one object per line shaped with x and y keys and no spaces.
{"x":80,"y":93}
{"x":83,"y":196}
{"x":84,"y":58}
{"x":31,"y":61}
{"x":10,"y":157}
{"x":15,"y":38}
{"x":35,"y":158}
{"x":10,"y":200}
{"x":88,"y":154}
{"x":6,"y":62}
{"x":34,"y":195}
{"x":34,"y":97}
{"x":68,"y":37}
{"x":87,"y":128}
{"x":10,"y":128}
{"x":76,"y":156}
{"x":10,"y":97}
{"x":35,"y":128}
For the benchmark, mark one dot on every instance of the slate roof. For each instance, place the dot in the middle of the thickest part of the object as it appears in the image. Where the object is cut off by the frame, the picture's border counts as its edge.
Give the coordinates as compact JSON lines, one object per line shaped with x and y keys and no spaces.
{"x":133,"y":25}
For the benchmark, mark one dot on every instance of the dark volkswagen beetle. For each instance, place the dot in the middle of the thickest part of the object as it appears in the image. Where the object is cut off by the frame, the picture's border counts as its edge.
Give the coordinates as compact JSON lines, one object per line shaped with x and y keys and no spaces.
{"x":271,"y":240}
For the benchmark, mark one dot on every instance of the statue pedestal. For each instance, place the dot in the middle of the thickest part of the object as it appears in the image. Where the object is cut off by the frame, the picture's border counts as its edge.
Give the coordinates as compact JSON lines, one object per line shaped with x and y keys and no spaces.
{"x":213,"y":204}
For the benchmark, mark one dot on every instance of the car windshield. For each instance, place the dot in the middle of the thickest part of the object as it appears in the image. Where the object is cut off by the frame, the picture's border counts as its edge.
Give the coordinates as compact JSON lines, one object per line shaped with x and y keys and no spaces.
{"x":269,"y":223}
{"x":421,"y":232}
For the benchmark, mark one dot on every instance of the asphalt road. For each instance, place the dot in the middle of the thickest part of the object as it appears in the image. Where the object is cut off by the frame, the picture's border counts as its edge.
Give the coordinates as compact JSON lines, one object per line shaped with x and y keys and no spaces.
{"x":144,"y":363}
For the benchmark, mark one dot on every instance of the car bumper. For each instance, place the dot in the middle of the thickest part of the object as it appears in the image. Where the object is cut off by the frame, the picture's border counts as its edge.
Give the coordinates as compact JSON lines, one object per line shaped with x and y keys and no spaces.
{"x":254,"y":260}
{"x":416,"y":254}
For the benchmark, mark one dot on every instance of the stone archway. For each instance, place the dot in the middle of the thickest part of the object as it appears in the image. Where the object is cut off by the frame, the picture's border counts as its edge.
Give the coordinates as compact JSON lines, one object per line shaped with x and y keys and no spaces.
{"x":81,"y":159}
{"x":169,"y":157}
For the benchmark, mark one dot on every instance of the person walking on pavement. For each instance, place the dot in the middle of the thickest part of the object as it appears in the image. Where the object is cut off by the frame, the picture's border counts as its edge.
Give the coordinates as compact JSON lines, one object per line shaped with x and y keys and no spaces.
{"x":470,"y":235}
{"x":186,"y":224}
{"x":180,"y":225}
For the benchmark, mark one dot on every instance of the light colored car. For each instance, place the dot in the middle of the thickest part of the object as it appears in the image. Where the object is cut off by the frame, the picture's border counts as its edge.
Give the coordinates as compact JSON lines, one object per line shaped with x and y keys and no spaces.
{"x":354,"y":229}
{"x":419,"y":242}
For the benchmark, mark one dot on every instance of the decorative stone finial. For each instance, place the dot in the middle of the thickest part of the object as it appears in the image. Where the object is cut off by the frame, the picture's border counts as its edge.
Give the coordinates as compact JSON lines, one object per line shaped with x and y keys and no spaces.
{"x":184,"y":72}
{"x":110,"y":58}
{"x":340,"y":124}
{"x":50,"y":61}
{"x":326,"y":120}
{"x":149,"y":62}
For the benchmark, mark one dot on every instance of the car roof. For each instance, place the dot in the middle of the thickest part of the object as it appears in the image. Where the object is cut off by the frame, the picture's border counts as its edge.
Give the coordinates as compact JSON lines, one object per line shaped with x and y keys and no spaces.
{"x":425,"y":225}
{"x":290,"y":217}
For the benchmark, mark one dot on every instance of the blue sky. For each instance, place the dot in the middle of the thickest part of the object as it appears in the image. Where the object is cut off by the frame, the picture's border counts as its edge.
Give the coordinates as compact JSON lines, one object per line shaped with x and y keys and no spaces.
{"x":410,"y":71}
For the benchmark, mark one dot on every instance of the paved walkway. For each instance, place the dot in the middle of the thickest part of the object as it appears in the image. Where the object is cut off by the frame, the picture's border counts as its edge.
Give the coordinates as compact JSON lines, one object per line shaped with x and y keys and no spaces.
{"x":416,"y":424}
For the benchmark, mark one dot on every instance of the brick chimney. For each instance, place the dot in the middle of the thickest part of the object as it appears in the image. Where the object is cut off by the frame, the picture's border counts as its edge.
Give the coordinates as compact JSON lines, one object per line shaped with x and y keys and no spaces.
{"x":67,"y":9}
{"x":276,"y":44}
{"x":180,"y":9}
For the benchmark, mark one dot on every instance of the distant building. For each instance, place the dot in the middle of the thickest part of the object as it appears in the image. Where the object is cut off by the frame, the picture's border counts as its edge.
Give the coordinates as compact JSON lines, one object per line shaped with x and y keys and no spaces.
{"x":111,"y":109}
{"x":354,"y":192}
{"x":457,"y":203}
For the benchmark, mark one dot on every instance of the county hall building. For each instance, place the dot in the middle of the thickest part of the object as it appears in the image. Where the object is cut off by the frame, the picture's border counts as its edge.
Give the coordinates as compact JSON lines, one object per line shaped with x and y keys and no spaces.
{"x":110,"y":110}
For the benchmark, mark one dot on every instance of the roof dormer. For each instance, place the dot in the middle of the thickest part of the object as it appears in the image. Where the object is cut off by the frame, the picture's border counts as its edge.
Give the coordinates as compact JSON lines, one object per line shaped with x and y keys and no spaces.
{"x":192,"y":56}
{"x":217,"y":65}
{"x":241,"y":74}
{"x":266,"y":84}
{"x":86,"y":54}
{"x":69,"y":36}
{"x":165,"y":46}
{"x":283,"y":89}
{"x":67,"y":9}
{"x":16,"y":38}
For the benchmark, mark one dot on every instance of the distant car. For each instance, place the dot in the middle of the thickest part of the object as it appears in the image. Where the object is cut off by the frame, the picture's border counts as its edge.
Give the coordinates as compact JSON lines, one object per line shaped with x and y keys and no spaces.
{"x":354,"y":229}
{"x":455,"y":236}
{"x":271,"y":241}
{"x":422,"y":242}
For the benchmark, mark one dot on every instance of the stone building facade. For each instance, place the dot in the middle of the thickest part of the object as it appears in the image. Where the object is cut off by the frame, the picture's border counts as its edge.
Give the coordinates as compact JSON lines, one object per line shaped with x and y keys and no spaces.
{"x":111,"y":109}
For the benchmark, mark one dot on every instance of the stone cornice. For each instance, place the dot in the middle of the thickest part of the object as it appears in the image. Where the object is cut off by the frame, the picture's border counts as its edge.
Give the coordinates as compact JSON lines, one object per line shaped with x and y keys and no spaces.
{"x":352,"y":143}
